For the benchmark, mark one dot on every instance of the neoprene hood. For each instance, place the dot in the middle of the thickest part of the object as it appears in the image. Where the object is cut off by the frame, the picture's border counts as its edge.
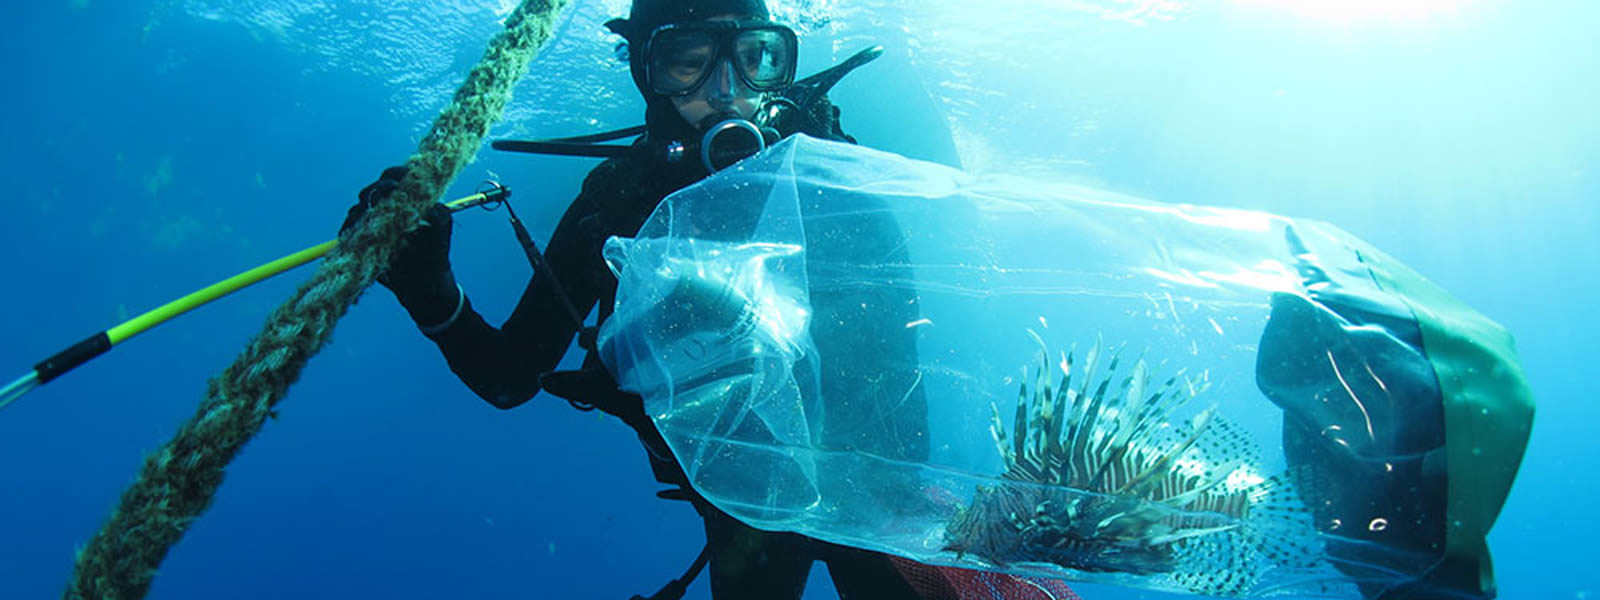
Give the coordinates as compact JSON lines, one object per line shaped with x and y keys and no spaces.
{"x":644,"y":17}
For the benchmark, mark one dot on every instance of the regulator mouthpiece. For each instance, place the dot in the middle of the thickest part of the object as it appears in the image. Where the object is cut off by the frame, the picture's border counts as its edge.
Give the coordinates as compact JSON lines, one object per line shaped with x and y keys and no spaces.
{"x":731,"y":141}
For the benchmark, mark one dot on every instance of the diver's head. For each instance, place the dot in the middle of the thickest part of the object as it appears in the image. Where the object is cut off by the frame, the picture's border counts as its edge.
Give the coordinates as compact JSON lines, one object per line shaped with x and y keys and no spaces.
{"x":702,"y":62}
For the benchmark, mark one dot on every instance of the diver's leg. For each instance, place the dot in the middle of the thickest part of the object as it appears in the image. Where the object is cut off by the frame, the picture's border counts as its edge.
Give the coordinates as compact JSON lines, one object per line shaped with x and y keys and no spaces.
{"x":750,"y":564}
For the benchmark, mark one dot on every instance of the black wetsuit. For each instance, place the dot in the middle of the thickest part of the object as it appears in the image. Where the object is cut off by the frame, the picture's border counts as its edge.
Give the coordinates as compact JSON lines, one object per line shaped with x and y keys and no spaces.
{"x":504,"y":366}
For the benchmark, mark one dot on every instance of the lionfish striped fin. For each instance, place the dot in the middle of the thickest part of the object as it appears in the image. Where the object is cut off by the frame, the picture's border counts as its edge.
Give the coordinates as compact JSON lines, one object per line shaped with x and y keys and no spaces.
{"x":1088,"y":428}
{"x":1204,"y":489}
{"x":1045,"y":411}
{"x":997,"y":430}
{"x":1127,"y":421}
{"x":1164,"y":464}
{"x":1019,"y":425}
{"x":1058,"y":403}
{"x":1158,"y":411}
{"x":1058,"y":455}
{"x":1156,"y":414}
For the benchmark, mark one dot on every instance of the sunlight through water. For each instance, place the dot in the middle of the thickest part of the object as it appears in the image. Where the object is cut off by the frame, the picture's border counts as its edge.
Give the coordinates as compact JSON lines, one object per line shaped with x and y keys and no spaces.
{"x":1345,"y":11}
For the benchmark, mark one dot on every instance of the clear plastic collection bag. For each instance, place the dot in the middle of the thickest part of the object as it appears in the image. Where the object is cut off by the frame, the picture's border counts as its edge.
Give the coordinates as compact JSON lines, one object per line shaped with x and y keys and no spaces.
{"x":1047,"y":379}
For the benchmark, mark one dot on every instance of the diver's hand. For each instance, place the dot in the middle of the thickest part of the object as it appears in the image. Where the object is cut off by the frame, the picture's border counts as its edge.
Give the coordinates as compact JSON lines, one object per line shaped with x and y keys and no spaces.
{"x":419,"y":272}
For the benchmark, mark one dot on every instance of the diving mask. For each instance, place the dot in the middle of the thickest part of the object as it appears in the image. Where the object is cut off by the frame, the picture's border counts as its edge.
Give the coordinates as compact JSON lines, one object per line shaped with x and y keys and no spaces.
{"x":679,"y":57}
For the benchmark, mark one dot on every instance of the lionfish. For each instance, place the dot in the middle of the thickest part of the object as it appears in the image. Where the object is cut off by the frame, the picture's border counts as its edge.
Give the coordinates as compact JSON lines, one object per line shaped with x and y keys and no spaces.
{"x":1099,"y":478}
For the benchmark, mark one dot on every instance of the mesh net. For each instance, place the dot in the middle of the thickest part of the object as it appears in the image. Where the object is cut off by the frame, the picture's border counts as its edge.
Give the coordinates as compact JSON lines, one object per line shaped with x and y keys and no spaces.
{"x":951,"y":583}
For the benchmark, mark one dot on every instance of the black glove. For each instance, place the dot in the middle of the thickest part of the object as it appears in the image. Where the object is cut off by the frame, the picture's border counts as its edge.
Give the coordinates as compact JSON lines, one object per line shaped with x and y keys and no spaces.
{"x":419,"y":272}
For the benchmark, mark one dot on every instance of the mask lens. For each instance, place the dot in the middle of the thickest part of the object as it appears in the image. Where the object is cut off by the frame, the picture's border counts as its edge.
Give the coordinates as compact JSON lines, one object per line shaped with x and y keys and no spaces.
{"x":680,"y":60}
{"x":765,"y":57}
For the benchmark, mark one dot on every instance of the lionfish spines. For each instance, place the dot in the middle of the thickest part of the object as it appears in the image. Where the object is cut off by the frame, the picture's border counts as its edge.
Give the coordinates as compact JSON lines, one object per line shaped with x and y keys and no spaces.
{"x":1101,"y":475}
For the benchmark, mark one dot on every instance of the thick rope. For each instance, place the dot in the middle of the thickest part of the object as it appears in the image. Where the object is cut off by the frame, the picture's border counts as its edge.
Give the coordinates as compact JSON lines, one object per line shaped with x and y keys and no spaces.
{"x":178,"y":481}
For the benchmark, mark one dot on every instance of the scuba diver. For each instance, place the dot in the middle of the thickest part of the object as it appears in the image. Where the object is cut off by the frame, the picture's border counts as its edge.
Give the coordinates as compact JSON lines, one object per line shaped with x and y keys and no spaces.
{"x":718,"y":77}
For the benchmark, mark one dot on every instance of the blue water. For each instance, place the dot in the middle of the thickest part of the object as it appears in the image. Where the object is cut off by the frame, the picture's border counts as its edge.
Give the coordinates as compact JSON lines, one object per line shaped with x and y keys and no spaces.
{"x":155,"y":146}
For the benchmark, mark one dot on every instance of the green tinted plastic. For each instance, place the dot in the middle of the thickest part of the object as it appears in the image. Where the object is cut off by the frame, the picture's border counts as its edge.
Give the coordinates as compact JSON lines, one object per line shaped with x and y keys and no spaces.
{"x":1488,"y":410}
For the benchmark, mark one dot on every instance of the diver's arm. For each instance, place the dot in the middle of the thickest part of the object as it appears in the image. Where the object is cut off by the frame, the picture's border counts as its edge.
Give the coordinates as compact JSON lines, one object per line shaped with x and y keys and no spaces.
{"x":503,"y":365}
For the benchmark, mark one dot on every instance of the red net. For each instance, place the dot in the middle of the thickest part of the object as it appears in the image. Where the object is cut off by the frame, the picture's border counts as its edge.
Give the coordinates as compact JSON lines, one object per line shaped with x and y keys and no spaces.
{"x":950,"y":583}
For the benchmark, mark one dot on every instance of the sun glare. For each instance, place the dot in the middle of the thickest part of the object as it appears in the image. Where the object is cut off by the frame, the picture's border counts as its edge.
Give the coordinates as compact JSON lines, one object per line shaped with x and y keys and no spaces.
{"x":1363,"y":10}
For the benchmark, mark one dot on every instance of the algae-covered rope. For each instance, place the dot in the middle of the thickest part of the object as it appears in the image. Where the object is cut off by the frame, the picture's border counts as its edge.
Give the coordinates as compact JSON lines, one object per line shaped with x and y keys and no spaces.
{"x":178,"y":480}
